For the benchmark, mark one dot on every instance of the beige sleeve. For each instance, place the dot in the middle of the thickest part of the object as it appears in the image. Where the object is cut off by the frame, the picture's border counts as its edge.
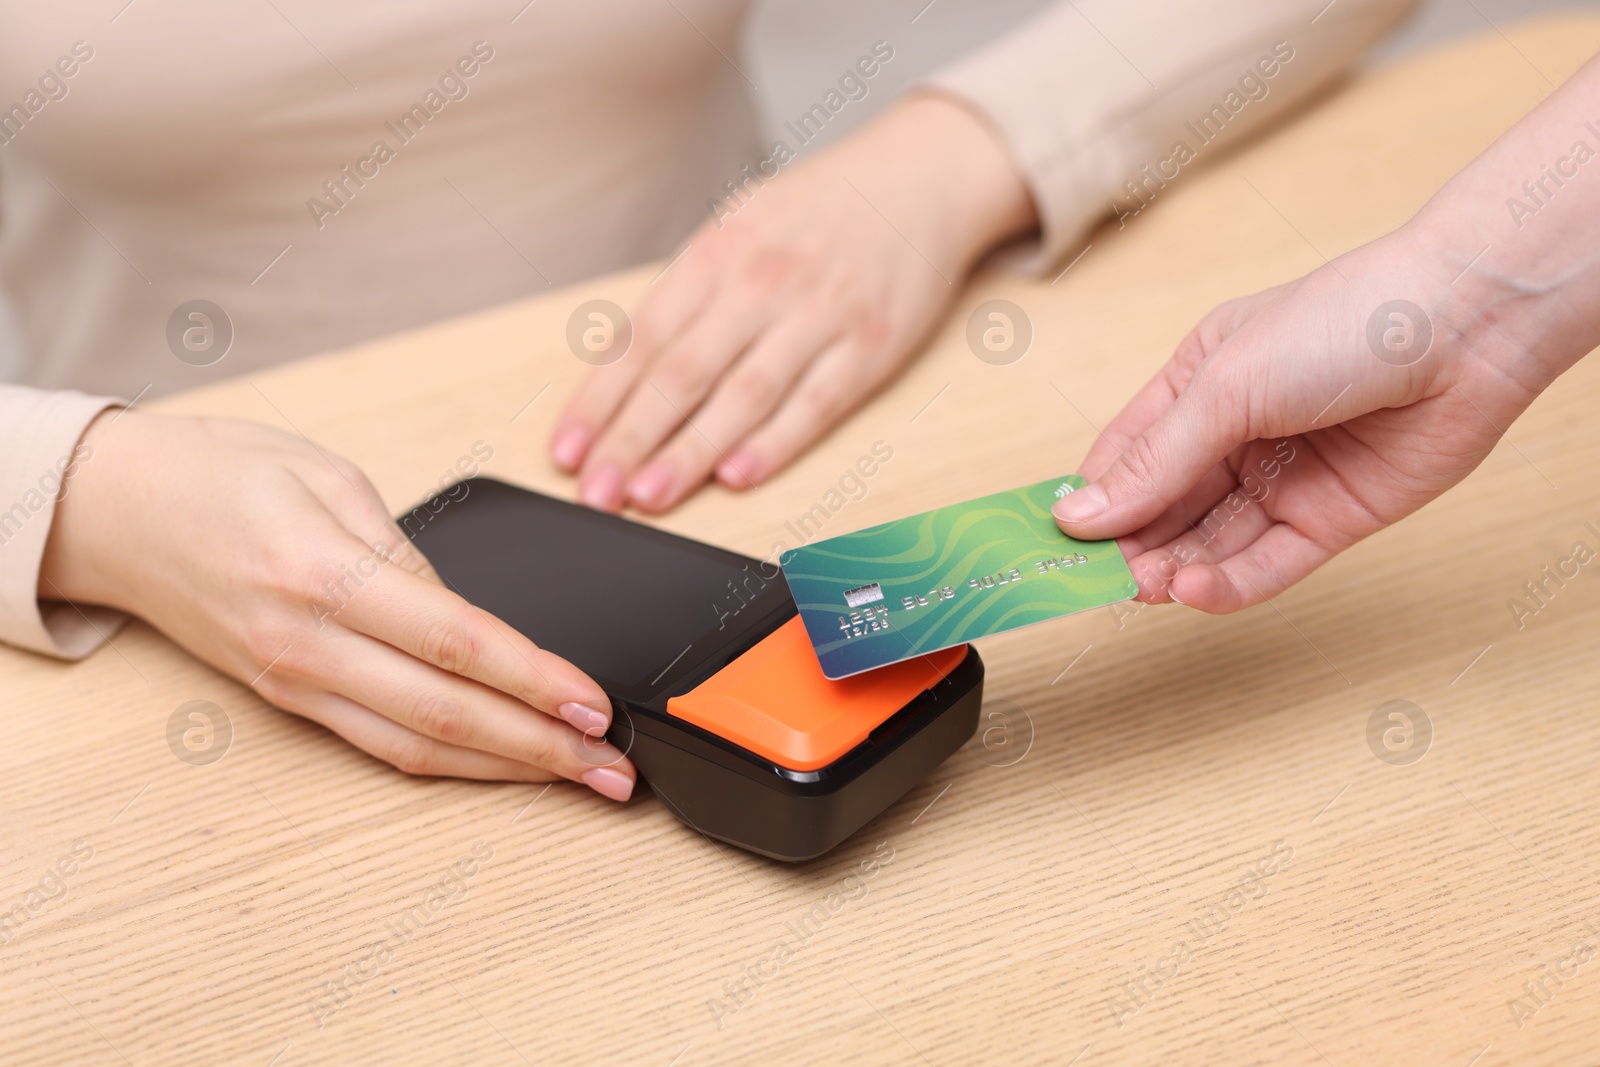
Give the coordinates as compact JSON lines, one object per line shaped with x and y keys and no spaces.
{"x":39,"y":445}
{"x":1105,"y":103}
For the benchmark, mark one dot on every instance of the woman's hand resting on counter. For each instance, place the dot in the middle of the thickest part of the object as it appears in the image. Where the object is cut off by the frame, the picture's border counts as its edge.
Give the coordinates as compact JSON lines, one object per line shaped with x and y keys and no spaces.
{"x":279,"y":565}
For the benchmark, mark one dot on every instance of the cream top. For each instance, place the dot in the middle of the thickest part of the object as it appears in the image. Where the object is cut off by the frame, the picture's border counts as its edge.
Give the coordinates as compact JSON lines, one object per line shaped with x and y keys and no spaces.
{"x":332,"y":173}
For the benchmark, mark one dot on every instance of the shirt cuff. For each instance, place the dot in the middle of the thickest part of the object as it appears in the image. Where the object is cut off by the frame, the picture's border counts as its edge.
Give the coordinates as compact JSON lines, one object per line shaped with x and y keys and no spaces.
{"x":40,"y":446}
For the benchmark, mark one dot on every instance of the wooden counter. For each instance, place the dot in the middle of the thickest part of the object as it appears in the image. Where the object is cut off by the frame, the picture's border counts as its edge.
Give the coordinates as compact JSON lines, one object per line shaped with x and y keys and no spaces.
{"x":1030,"y":913}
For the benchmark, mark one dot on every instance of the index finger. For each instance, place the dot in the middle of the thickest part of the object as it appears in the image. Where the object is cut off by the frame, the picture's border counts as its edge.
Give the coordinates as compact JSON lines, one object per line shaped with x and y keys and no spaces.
{"x":1136,"y":416}
{"x":662,"y":316}
{"x":439,"y":627}
{"x":1158,"y":394}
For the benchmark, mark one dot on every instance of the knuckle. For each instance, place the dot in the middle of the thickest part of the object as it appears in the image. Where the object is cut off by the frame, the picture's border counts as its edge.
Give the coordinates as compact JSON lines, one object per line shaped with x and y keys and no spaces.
{"x":872,"y":331}
{"x":651,"y":326}
{"x":313,"y":579}
{"x":1192,"y":351}
{"x":543,"y":750}
{"x":450,"y":644}
{"x":441,"y":716}
{"x":411,"y":753}
{"x":625,"y":442}
{"x":1221,"y":390}
{"x":297,"y":657}
{"x":599,"y":397}
{"x":821,"y":403}
{"x":1140,"y":467}
{"x":683,"y":378}
{"x":1213,"y":331}
{"x":274,"y":689}
{"x":753,"y":388}
{"x":406,"y":555}
{"x":268,"y":644}
{"x":769,"y":270}
{"x":732,"y":243}
{"x":351,"y":473}
{"x":1207,"y":375}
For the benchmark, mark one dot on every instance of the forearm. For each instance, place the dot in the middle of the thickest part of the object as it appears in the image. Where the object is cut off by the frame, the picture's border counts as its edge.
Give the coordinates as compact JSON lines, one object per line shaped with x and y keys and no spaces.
{"x":1103,"y":104}
{"x":1514,"y":240}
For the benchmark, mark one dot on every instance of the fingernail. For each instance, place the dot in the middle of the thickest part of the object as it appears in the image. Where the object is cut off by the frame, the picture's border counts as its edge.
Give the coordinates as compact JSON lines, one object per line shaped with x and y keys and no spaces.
{"x":608,"y":782}
{"x":1173,"y":593}
{"x":568,"y":447}
{"x":583,"y":718}
{"x":653,"y":485}
{"x":1082,"y":505}
{"x":739,"y":471}
{"x":602,"y":488}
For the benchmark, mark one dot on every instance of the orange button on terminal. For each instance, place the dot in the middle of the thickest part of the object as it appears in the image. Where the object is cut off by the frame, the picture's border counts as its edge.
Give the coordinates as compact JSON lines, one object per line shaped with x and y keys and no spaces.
{"x":775,"y":701}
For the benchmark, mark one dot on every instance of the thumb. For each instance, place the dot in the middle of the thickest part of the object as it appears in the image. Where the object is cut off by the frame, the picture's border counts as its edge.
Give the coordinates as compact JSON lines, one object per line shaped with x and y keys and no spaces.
{"x":1204,"y":423}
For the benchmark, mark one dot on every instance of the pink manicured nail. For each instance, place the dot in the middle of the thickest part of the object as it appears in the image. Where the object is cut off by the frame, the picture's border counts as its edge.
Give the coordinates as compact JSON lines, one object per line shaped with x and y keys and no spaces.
{"x":608,"y":782}
{"x":740,"y":471}
{"x":602,"y":487}
{"x":571,"y":443}
{"x":653,"y":485}
{"x":1081,"y":506}
{"x":583,"y":718}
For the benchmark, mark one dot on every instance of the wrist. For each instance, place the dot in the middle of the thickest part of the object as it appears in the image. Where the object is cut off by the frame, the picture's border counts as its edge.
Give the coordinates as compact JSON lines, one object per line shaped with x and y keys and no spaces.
{"x":954,"y":169}
{"x":1500,"y":304}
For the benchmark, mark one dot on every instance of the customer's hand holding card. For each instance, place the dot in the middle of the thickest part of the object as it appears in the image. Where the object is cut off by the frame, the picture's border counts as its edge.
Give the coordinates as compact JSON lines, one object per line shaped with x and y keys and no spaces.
{"x":944,"y":577}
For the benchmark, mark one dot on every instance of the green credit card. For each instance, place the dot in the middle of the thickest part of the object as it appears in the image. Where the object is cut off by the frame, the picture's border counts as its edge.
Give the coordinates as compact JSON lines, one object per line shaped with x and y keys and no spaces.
{"x":948,"y":576}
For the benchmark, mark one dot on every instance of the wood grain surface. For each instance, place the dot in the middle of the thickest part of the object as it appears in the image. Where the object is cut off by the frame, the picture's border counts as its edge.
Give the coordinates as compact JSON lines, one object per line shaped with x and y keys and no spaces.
{"x":1182,"y":778}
